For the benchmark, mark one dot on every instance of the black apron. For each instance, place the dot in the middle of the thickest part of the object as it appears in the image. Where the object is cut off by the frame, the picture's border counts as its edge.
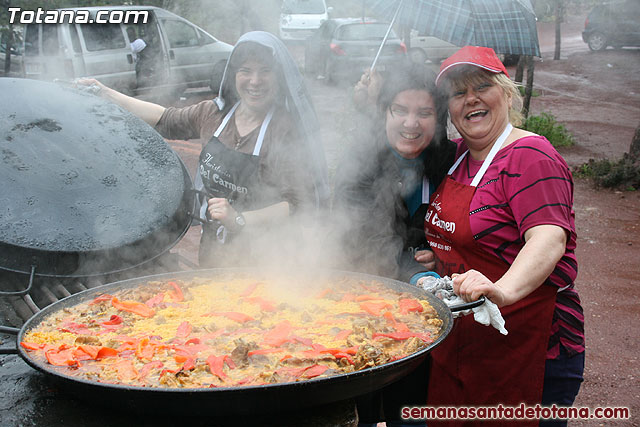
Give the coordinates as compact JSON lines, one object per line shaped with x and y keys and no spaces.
{"x":230,"y":174}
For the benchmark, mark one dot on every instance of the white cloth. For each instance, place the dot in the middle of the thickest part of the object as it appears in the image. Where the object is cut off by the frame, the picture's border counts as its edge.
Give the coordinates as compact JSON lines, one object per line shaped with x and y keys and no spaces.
{"x":137,"y":46}
{"x":486,"y":314}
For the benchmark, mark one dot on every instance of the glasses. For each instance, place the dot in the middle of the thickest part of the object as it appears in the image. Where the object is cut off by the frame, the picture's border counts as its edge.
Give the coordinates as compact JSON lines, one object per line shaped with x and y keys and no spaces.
{"x":401,"y":112}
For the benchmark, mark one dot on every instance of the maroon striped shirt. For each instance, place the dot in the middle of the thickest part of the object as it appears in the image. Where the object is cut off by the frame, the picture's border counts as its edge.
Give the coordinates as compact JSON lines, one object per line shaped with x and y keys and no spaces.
{"x":528,"y":184}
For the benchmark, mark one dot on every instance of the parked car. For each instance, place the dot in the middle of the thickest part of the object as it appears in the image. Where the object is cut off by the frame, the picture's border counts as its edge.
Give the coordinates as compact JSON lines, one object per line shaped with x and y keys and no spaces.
{"x":300,"y":18}
{"x":425,"y":47}
{"x":178,"y":54}
{"x":613,"y":24}
{"x":344,"y":48}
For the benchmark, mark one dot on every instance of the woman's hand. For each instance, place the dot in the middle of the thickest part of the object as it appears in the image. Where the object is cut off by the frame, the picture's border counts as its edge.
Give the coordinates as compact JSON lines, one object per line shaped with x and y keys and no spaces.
{"x":426,"y":258}
{"x":367,"y":89}
{"x":83,"y":81}
{"x":220,"y":209}
{"x":472,"y":284}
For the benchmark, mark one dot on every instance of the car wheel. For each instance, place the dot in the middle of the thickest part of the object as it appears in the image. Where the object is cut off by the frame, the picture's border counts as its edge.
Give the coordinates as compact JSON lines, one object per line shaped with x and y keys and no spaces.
{"x":597,"y":41}
{"x":216,"y":76}
{"x":417,"y":55}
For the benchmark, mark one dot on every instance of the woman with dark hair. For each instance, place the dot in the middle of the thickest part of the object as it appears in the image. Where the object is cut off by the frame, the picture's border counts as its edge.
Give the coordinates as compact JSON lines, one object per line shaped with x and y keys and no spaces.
{"x":384,"y":182}
{"x":381,"y":196}
{"x":262,"y":159}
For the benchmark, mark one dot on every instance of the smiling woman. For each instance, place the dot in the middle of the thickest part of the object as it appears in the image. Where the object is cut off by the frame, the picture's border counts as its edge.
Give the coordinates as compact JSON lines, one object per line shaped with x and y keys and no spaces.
{"x":261,"y":161}
{"x":509,"y":197}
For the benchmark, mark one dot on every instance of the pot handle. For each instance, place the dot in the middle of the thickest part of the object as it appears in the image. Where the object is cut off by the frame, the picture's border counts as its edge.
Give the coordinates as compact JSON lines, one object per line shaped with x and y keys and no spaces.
{"x":10,"y":331}
{"x":24,"y":291}
{"x":468,"y":305}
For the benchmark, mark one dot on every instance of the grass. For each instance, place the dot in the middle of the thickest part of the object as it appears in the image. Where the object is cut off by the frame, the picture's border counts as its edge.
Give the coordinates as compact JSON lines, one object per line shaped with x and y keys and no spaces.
{"x":546,"y":125}
{"x":623,"y":174}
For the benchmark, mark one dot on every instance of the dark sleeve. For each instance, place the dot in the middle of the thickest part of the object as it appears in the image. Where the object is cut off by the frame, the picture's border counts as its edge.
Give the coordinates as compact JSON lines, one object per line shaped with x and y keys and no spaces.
{"x":187,"y":122}
{"x":364,"y":213}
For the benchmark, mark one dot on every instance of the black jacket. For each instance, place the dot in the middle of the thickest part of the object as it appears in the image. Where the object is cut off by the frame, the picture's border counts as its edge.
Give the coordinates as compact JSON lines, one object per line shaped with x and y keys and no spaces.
{"x":376,"y":232}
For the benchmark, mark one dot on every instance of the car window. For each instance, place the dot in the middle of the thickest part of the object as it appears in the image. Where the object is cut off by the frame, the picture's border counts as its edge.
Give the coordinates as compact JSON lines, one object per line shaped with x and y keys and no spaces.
{"x":180,"y":34}
{"x":31,"y":39}
{"x":102,"y":36}
{"x":205,"y":38}
{"x":50,"y":45}
{"x":302,"y":6}
{"x":363,"y":32}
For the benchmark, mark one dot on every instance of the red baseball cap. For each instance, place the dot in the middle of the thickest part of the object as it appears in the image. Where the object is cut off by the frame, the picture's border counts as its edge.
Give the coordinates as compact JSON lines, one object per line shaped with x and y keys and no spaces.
{"x":483,"y":57}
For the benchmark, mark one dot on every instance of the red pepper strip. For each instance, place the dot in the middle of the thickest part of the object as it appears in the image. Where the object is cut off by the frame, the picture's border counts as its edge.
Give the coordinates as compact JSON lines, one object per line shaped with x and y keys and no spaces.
{"x":31,"y":346}
{"x":193,"y":341}
{"x":101,"y":298}
{"x":409,"y":304}
{"x":249,"y":290}
{"x":106,"y":352}
{"x":133,"y":307}
{"x":285,"y":357}
{"x":156,"y":364}
{"x":184,"y":330}
{"x":113,"y":320}
{"x":80,"y":355}
{"x":313,"y":354}
{"x":366,"y":297}
{"x":146,"y":349}
{"x":216,"y":365}
{"x":125,"y":369}
{"x":399,"y":336}
{"x":374,"y":308}
{"x":324,"y":293}
{"x":278,"y":335}
{"x":348,"y":297}
{"x":265,"y":351}
{"x":179,"y":358}
{"x":61,"y":357}
{"x":90,"y":350}
{"x":189,"y":364}
{"x":314,"y":371}
{"x":264,"y":304}
{"x":157,"y":299}
{"x":76,"y":328}
{"x":342,"y":335}
{"x":341,"y":355}
{"x":175,"y":294}
{"x":351,"y":350}
{"x":302,"y":340}
{"x":230,"y":363}
{"x":398,"y":326}
{"x":238,"y":317}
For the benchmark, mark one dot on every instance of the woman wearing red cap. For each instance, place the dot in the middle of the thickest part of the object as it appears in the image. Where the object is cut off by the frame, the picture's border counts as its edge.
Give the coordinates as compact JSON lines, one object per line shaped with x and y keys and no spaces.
{"x":502,"y":224}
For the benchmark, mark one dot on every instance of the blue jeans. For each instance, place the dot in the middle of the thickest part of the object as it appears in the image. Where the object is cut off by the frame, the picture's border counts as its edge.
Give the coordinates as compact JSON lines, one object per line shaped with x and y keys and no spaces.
{"x":562,"y":379}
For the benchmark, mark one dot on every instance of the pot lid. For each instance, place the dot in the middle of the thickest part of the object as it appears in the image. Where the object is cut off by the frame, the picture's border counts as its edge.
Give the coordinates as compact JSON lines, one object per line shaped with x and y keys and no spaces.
{"x":79,"y":175}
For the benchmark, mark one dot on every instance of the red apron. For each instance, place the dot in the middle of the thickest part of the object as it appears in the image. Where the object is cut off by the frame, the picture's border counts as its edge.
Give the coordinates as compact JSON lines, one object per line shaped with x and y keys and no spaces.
{"x":476,"y":365}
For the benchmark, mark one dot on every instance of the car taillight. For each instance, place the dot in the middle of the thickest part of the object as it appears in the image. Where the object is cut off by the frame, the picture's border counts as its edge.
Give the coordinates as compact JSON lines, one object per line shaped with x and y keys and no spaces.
{"x":402,"y":48}
{"x":335,"y":48}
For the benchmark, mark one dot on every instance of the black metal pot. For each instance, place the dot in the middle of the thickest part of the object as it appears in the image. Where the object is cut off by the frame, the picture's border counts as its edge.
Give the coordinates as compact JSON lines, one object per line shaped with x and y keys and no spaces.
{"x":87,"y":188}
{"x":238,"y":400}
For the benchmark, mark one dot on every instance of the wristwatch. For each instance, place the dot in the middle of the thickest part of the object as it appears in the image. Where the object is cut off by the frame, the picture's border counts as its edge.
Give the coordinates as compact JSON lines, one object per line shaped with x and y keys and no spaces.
{"x":240,"y":222}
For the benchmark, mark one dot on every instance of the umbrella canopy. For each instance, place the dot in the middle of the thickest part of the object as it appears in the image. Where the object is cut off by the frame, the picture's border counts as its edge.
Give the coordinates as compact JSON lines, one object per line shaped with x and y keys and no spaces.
{"x":506,"y":26}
